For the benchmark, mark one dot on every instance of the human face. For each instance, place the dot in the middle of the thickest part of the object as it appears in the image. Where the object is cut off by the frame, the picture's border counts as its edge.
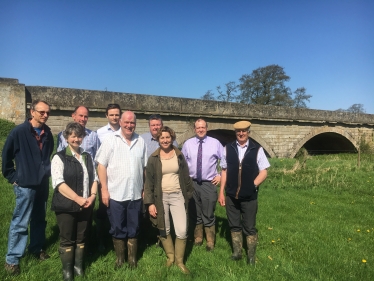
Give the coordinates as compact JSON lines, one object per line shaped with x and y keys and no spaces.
{"x":80,"y":116}
{"x":200,"y":129}
{"x":74,"y":141}
{"x":154,"y":126}
{"x":113,"y":116}
{"x":165,"y":140}
{"x":128,"y":124}
{"x":40,"y":114}
{"x":242,"y":136}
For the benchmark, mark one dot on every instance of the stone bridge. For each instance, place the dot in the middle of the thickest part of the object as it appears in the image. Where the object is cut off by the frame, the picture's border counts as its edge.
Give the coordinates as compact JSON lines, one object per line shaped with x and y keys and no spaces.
{"x":281,"y":131}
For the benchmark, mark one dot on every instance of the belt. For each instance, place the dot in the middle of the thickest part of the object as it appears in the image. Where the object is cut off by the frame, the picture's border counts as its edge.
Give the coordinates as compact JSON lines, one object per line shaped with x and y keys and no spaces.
{"x":200,"y":181}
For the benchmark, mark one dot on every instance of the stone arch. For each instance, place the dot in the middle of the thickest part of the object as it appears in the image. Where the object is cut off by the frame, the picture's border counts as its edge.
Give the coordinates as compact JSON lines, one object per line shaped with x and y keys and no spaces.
{"x":319,"y":131}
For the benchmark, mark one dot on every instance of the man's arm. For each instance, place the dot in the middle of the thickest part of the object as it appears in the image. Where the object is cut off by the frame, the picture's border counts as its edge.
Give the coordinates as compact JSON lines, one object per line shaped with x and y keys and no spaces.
{"x":7,"y":165}
{"x":221,"y":197}
{"x":102,"y":173}
{"x":261,"y":177}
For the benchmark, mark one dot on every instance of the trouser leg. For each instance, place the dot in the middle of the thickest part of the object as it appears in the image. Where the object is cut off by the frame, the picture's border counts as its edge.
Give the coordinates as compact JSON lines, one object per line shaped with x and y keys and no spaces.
{"x":18,"y":230}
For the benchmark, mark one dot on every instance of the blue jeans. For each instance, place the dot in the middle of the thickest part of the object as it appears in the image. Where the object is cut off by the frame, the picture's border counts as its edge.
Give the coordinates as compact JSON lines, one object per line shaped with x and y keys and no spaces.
{"x":30,"y":208}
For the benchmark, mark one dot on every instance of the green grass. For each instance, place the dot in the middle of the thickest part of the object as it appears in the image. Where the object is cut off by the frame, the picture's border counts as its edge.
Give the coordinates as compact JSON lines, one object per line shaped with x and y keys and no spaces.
{"x":315,"y":222}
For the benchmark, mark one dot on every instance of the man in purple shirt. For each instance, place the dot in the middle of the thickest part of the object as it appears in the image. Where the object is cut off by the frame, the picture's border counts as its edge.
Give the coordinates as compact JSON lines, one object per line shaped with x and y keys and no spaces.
{"x":202,"y":154}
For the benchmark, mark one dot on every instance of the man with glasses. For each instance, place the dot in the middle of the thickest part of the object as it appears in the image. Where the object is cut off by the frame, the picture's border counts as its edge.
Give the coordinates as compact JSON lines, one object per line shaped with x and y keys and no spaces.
{"x":155,"y":123}
{"x":202,"y":155}
{"x":91,"y":142}
{"x":26,"y":164}
{"x":244,"y":165}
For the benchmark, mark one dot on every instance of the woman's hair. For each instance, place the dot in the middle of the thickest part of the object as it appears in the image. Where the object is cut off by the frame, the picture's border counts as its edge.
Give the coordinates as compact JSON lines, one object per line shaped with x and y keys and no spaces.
{"x":75,"y":128}
{"x":167,"y":130}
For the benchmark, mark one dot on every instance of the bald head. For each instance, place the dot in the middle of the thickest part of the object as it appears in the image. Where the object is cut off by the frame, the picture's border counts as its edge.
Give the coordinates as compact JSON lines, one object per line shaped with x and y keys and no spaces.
{"x":128,"y":124}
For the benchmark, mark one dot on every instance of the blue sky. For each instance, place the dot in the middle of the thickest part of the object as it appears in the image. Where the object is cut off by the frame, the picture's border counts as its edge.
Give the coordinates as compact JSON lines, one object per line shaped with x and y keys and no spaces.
{"x":183,"y":48}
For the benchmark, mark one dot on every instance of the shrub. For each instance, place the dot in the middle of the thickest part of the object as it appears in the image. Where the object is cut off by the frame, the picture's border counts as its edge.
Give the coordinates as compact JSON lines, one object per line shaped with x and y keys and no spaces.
{"x":5,"y":127}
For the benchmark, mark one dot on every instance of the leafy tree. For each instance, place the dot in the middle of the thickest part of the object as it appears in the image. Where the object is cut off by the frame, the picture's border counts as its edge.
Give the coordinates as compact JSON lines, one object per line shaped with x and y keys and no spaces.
{"x":209,"y":95}
{"x":266,"y":85}
{"x":229,"y":94}
{"x":300,"y":98}
{"x":356,"y":108}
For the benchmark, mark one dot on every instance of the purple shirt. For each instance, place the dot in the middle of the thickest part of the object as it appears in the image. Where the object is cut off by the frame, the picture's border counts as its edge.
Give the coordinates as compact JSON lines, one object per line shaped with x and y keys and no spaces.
{"x":212,"y":150}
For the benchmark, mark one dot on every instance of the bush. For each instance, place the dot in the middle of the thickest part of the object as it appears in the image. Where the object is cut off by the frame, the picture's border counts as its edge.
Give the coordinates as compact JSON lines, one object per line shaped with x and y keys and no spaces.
{"x":5,"y":127}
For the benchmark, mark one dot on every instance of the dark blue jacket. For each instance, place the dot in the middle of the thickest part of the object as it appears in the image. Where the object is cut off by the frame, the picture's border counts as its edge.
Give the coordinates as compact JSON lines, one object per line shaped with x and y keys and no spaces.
{"x":31,"y":163}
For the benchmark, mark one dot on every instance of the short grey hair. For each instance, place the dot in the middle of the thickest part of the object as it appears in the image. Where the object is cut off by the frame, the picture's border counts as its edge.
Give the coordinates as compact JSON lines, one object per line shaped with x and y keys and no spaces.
{"x":75,"y":128}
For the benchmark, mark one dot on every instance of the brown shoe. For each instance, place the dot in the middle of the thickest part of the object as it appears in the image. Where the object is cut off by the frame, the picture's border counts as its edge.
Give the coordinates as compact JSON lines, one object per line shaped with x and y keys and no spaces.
{"x":42,"y":255}
{"x":210,"y":237}
{"x":12,"y":269}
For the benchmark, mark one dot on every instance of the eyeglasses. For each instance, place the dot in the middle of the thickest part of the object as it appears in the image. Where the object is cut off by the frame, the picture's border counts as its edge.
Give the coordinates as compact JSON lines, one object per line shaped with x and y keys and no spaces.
{"x":43,"y":112}
{"x":155,"y":116}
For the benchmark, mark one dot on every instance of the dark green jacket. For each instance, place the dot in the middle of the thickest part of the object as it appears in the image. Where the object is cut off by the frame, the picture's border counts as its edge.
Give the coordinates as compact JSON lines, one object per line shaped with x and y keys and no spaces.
{"x":153,"y":189}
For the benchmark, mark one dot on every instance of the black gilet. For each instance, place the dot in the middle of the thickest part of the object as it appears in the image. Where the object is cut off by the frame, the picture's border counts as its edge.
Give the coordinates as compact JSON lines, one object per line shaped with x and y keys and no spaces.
{"x":246,"y":190}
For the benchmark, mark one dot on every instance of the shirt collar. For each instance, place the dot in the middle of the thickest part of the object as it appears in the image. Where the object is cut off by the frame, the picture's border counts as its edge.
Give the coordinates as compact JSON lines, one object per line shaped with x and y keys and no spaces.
{"x":238,"y":145}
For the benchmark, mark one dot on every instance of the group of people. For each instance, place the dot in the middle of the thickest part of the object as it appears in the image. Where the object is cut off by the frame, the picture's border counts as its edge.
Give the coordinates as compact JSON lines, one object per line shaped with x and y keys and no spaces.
{"x":129,"y":173}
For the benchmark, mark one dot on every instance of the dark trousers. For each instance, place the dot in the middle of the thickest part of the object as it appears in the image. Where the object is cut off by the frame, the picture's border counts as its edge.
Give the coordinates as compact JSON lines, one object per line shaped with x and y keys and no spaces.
{"x":241,"y":215}
{"x":73,"y":226}
{"x":203,"y":203}
{"x":124,"y":218}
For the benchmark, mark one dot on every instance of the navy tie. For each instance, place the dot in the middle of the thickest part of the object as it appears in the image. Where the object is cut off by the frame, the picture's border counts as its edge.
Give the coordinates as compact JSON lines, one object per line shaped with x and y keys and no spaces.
{"x":199,"y":162}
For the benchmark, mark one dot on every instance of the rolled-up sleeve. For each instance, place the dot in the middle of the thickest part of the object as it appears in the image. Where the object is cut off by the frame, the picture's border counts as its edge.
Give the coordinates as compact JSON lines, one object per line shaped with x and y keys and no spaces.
{"x":57,"y":171}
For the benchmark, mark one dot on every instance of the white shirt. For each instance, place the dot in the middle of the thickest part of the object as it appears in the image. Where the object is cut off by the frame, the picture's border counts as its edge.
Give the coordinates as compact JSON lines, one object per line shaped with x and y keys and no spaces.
{"x":125,"y":165}
{"x":57,"y":172}
{"x":105,"y":131}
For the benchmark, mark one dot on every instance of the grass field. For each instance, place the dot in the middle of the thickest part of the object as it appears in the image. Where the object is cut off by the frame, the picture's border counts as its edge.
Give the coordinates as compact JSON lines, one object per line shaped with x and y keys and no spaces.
{"x":315,"y":222}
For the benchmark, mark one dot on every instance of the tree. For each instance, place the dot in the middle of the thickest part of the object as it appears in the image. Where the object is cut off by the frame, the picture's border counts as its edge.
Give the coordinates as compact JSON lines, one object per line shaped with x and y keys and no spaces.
{"x":209,"y":95}
{"x":266,"y":85}
{"x":229,"y":94}
{"x":300,"y":98}
{"x":356,"y":108}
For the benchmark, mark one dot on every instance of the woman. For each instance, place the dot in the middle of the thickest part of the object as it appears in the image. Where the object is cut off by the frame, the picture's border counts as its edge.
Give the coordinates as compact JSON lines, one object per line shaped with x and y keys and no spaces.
{"x":168,"y":188}
{"x":74,"y":181}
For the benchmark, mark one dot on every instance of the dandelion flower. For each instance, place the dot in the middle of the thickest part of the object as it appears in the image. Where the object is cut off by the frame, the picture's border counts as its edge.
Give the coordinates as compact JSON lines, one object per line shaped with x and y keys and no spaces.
{"x":272,"y":241}
{"x":270,"y":228}
{"x":358,"y":230}
{"x":363,"y":260}
{"x":368,"y":230}
{"x":349,"y":239}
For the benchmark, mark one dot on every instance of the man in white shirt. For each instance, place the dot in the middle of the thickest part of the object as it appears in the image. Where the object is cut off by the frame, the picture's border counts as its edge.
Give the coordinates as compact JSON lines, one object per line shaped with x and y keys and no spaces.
{"x":121,"y":161}
{"x":113,"y":114}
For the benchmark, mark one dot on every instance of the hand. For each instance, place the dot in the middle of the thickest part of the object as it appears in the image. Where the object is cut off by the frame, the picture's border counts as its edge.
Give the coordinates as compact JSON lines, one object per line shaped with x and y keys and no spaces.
{"x":105,"y":196}
{"x":216,"y":180}
{"x":152,"y":210}
{"x":222,"y":200}
{"x":89,"y":201}
{"x":81,"y":201}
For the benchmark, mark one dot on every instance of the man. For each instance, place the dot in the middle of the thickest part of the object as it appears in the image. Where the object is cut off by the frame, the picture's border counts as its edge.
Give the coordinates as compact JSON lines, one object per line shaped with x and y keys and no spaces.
{"x":155,"y":123}
{"x":121,"y":160}
{"x":244,"y":165}
{"x":202,"y":154}
{"x":26,"y":164}
{"x":113,"y":114}
{"x":90,"y":142}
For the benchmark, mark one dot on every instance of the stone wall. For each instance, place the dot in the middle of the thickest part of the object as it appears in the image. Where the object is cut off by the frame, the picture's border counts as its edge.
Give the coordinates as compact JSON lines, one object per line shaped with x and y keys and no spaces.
{"x":282,"y":131}
{"x":12,"y":100}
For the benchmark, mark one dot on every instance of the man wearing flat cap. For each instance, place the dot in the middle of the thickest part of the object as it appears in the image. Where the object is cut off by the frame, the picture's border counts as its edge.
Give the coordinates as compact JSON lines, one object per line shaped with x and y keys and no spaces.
{"x":244,"y":165}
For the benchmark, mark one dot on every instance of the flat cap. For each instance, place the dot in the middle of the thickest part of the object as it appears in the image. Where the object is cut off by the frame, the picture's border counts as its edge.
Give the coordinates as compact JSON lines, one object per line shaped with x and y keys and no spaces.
{"x":242,"y":125}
